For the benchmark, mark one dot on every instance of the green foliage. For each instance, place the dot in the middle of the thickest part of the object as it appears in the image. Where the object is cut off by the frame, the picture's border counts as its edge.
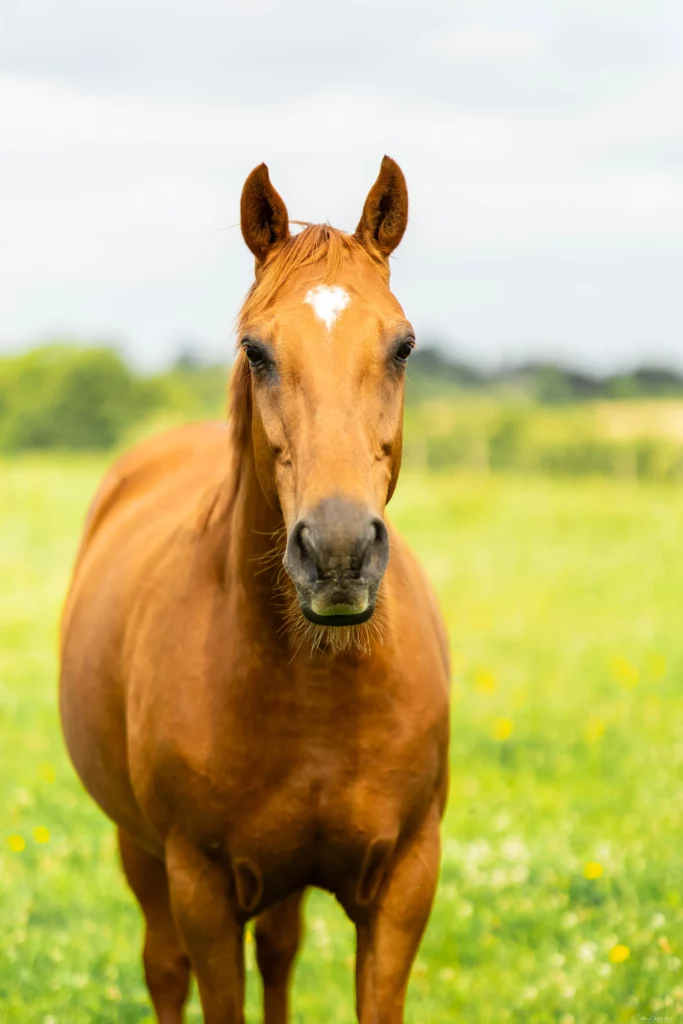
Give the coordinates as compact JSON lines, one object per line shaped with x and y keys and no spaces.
{"x":432,"y":374}
{"x":561,"y":893}
{"x":69,"y":398}
{"x":88,"y":399}
{"x":553,"y":386}
{"x":196,"y":392}
{"x":593,"y":439}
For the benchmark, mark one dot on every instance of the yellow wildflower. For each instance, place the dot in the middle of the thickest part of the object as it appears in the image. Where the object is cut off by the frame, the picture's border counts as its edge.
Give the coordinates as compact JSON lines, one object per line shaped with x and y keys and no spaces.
{"x":592,"y":870}
{"x":47,"y":773}
{"x":624,"y":672}
{"x":595,"y":729}
{"x":619,"y":953}
{"x":485,"y":681}
{"x":41,"y":834}
{"x":664,"y":944}
{"x":17,"y":844}
{"x":502,"y":729}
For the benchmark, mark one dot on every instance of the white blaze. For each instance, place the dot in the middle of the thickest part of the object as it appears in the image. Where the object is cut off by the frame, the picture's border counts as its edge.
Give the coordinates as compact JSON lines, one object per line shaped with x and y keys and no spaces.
{"x":327,"y":302}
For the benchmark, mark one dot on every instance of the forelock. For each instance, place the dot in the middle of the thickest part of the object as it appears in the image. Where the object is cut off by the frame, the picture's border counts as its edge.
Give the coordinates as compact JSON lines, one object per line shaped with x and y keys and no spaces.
{"x":317,"y":245}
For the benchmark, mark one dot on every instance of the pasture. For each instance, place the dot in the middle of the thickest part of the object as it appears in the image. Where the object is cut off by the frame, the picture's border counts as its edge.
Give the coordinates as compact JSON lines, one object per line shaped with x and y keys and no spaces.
{"x":561,"y":896}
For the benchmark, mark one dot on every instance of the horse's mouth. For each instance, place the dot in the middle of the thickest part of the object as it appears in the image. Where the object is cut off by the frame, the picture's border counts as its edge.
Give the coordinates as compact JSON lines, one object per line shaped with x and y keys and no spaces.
{"x":338,"y":618}
{"x":338,"y":601}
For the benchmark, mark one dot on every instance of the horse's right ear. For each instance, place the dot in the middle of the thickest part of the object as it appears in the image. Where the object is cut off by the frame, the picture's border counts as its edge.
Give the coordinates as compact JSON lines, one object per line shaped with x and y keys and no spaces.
{"x":385,"y":214}
{"x":263,"y":214}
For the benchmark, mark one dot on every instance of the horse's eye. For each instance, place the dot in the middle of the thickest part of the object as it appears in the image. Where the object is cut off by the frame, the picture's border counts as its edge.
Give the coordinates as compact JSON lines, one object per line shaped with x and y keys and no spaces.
{"x":404,"y":350}
{"x":254,"y":355}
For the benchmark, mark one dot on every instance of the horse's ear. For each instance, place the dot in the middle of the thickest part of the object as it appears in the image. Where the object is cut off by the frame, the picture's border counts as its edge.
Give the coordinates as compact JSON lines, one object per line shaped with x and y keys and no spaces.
{"x":385,"y":214}
{"x":263,"y":214}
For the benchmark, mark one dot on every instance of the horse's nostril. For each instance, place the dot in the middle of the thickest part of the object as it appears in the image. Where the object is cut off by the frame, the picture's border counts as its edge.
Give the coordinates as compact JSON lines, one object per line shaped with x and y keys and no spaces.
{"x":375,"y":556}
{"x":304,"y":541}
{"x":301,"y":553}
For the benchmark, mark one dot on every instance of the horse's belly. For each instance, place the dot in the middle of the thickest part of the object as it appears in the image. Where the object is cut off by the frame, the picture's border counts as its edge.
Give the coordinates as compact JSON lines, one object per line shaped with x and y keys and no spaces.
{"x":93,"y":709}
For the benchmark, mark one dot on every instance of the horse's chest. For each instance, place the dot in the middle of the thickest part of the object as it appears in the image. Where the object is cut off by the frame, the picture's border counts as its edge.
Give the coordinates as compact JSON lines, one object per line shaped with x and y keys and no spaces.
{"x":338,"y":833}
{"x":321,"y":814}
{"x":296,"y":793}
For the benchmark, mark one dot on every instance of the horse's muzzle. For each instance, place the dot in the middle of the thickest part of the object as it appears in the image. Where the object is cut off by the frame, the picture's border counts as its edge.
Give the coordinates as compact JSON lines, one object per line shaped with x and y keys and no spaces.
{"x":336,"y":556}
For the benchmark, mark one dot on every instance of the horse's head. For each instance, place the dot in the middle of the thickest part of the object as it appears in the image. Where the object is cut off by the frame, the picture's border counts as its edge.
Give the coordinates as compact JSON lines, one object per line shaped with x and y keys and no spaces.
{"x":324,"y":346}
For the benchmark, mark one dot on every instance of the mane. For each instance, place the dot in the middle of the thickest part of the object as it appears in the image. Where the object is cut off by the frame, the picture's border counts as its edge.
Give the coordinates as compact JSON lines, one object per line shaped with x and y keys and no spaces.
{"x":317,"y":245}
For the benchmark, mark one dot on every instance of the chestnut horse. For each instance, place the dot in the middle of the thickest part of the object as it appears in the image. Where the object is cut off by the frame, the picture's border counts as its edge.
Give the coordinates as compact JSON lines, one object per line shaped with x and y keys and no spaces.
{"x":254,"y":675}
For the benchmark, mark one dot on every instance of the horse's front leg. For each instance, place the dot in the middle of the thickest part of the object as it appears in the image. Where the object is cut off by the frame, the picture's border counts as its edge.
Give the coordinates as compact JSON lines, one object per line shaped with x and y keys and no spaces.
{"x":278,"y":934}
{"x":389,"y":936}
{"x":204,"y":907}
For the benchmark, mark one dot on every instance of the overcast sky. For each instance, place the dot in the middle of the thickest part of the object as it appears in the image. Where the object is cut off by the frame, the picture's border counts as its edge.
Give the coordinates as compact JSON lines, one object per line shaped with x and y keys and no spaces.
{"x":542,"y":143}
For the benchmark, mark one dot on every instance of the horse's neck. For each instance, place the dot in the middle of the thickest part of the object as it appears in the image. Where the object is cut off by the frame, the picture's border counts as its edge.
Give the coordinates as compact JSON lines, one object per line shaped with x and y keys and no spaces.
{"x":256,"y":539}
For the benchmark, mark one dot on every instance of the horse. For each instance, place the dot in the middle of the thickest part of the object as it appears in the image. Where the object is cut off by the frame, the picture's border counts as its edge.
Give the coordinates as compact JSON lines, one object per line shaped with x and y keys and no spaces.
{"x":254,"y":675}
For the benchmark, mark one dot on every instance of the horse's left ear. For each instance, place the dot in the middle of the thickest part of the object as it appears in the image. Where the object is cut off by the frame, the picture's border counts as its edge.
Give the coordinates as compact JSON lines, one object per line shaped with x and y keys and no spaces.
{"x":264,"y":219}
{"x":385,"y":214}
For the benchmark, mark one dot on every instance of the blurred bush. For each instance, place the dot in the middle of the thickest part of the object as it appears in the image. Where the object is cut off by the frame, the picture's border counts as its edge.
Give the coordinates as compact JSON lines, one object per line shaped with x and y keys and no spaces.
{"x":64,"y":397}
{"x":639,"y":438}
{"x":79,"y":399}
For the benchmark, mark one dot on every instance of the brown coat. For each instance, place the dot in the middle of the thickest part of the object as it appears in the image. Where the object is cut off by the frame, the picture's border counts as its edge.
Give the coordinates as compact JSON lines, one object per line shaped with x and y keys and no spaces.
{"x":243,"y":752}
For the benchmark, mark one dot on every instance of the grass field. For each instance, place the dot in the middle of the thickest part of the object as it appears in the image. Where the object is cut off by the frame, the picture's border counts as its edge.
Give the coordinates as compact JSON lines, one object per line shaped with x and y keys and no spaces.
{"x":561,"y":896}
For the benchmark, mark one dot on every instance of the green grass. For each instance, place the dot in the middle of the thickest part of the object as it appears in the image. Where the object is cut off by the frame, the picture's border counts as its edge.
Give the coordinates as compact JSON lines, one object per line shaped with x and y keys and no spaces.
{"x":564,"y":606}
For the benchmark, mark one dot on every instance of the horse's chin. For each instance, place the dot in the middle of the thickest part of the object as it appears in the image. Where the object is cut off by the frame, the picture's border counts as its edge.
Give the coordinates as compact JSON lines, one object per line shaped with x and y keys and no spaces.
{"x":338,"y":617}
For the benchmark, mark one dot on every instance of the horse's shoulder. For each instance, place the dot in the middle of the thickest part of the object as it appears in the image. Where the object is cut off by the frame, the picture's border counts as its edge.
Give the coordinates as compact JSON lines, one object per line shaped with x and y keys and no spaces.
{"x":154,"y":471}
